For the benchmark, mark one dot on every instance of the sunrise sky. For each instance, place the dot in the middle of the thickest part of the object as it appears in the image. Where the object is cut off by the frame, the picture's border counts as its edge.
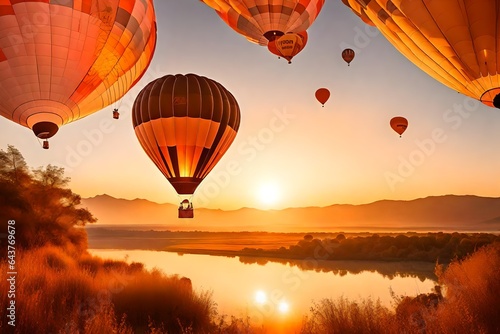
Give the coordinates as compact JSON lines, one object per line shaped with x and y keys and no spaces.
{"x":289,"y":151}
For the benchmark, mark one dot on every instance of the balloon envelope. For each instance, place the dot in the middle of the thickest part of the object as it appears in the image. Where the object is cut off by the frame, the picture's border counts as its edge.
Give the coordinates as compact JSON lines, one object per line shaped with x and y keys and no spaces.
{"x":348,"y":55}
{"x":185,"y":124}
{"x":271,"y":46}
{"x":63,"y":60}
{"x":455,"y":42}
{"x":399,"y":124}
{"x":322,"y":95}
{"x":289,"y":45}
{"x":261,"y":21}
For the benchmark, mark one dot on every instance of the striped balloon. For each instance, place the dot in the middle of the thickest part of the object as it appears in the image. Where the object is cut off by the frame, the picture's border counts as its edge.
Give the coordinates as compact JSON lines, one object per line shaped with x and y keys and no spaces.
{"x":262,"y":21}
{"x":61,"y":60}
{"x":455,"y":42}
{"x":185,"y":124}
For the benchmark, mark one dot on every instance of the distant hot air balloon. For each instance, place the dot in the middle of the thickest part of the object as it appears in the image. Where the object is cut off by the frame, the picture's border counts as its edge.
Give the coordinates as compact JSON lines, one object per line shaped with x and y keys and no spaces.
{"x":399,"y":124}
{"x":455,"y":42}
{"x":185,"y":124}
{"x":262,"y":21}
{"x":322,"y":95}
{"x":348,"y":55}
{"x":64,"y":60}
{"x":290,"y":44}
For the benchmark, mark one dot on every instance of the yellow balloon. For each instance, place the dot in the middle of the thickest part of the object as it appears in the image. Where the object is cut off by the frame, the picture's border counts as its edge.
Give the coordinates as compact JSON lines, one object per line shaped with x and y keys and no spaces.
{"x":289,"y":45}
{"x":455,"y":42}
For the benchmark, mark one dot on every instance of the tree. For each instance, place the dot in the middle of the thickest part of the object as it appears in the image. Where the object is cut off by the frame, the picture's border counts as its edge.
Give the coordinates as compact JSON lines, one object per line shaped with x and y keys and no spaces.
{"x":13,"y":167}
{"x":44,"y":208}
{"x":308,"y":237}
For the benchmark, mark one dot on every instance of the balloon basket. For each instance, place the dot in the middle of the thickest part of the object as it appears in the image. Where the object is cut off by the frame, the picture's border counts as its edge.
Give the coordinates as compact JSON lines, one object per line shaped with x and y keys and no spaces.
{"x":186,"y":209}
{"x":186,"y":213}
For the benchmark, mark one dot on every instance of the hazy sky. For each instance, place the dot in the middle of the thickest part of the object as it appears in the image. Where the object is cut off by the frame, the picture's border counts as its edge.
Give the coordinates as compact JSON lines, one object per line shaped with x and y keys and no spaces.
{"x":289,"y":150}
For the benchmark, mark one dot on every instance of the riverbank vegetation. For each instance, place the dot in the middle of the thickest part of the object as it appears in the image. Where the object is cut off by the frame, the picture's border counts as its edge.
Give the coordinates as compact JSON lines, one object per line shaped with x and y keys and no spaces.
{"x":431,"y":247}
{"x":467,"y":300}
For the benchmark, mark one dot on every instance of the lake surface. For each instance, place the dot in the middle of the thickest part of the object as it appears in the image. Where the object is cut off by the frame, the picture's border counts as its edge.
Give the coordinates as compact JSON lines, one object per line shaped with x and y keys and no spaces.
{"x":281,"y":293}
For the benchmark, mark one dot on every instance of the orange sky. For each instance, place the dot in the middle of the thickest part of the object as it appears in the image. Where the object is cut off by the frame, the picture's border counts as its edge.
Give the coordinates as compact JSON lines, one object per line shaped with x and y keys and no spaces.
{"x":300,"y":153}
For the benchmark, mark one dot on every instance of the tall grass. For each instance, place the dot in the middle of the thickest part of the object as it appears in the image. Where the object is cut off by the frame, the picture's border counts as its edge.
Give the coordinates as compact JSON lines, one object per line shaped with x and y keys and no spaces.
{"x":344,"y":316}
{"x":472,"y":289}
{"x":61,"y":292}
{"x":471,"y":304}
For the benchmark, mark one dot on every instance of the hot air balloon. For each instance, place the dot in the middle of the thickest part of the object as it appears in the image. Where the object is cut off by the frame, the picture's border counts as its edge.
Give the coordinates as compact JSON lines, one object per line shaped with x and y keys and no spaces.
{"x":399,"y":124}
{"x":262,"y":21}
{"x":348,"y":55}
{"x":322,"y":95}
{"x":455,"y":42}
{"x":290,"y":44}
{"x":185,"y":124}
{"x":64,"y":60}
{"x":271,"y":46}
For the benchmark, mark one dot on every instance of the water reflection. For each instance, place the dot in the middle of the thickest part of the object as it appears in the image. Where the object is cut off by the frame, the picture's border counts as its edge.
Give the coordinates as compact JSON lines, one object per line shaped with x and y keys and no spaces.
{"x":278,"y":293}
{"x":390,"y":270}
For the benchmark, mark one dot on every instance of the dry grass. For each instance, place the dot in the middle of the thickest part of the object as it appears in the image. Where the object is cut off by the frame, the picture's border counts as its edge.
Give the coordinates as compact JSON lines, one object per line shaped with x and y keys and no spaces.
{"x":59,"y":292}
{"x":471,"y":304}
{"x":344,"y":316}
{"x":472,"y":289}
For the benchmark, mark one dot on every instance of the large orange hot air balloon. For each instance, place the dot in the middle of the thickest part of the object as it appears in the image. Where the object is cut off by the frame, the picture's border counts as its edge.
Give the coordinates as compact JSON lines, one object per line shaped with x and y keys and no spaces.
{"x":185,"y":124}
{"x":322,"y":95}
{"x":348,"y":55}
{"x":262,"y":21}
{"x":399,"y":124}
{"x":290,"y":44}
{"x":455,"y":42}
{"x":63,"y":60}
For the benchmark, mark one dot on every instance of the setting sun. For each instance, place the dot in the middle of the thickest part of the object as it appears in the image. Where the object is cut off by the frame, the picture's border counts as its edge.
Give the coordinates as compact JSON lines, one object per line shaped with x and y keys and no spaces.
{"x":268,"y":193}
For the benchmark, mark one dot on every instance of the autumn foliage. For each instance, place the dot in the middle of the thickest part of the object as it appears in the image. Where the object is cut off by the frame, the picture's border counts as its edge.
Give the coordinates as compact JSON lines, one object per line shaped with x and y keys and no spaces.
{"x":45,"y":210}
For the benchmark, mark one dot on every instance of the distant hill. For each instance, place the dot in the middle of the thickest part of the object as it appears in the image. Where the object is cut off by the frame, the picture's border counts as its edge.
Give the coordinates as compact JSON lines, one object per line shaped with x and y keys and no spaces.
{"x":448,"y":212}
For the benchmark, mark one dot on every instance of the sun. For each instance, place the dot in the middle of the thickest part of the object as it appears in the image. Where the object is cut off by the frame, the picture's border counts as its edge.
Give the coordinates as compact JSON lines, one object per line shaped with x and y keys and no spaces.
{"x":268,"y":193}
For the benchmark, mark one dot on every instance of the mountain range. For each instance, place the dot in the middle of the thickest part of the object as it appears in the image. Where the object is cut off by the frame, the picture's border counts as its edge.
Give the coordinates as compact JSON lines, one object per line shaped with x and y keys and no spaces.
{"x":433,"y":213}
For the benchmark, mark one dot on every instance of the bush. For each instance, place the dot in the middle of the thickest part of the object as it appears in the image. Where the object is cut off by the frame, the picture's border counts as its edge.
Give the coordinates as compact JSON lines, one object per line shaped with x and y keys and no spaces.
{"x":470,"y":304}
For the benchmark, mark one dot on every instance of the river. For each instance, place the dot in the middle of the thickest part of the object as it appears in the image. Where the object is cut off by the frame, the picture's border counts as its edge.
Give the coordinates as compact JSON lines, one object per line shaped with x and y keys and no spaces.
{"x":270,"y":293}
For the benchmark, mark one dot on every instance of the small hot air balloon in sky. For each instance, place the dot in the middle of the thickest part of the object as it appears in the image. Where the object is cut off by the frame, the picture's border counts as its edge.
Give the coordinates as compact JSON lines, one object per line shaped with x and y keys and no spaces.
{"x":290,"y":44}
{"x":399,"y":124}
{"x":348,"y":55}
{"x":64,"y":60}
{"x":460,"y":49}
{"x":262,"y":21}
{"x":185,"y":124}
{"x":322,"y":95}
